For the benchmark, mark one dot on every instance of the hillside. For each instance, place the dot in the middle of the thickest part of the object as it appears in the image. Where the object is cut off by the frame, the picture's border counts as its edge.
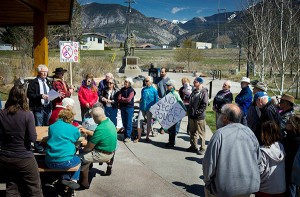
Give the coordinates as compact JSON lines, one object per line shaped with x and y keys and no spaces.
{"x":110,"y":19}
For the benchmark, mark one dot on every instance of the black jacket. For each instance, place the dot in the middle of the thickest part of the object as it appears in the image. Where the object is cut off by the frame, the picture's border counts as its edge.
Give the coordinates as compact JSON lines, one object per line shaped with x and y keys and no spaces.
{"x":34,"y":96}
{"x":268,"y":113}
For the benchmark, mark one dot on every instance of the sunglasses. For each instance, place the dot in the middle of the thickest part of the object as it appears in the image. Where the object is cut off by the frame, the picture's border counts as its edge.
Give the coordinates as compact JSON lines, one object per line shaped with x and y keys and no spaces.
{"x":146,"y":80}
{"x":88,"y":81}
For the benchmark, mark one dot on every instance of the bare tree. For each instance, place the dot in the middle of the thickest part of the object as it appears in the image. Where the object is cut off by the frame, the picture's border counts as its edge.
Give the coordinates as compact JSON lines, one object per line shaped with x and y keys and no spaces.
{"x":188,"y":53}
{"x":273,"y":28}
{"x":224,"y":40}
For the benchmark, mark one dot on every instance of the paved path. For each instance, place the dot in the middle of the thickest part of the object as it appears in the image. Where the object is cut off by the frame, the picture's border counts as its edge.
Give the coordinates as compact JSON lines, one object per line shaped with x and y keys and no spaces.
{"x":149,"y":169}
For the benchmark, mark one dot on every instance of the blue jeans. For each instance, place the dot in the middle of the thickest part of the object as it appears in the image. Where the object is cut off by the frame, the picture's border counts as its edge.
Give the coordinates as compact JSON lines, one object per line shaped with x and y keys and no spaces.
{"x":65,"y":165}
{"x":111,"y":112}
{"x":42,"y":117}
{"x":127,"y":114}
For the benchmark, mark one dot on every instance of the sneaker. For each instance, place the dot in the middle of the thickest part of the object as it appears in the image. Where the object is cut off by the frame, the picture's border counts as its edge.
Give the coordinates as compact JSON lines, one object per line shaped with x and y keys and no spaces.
{"x":127,"y":140}
{"x":70,"y":184}
{"x":191,"y":149}
{"x":200,"y":151}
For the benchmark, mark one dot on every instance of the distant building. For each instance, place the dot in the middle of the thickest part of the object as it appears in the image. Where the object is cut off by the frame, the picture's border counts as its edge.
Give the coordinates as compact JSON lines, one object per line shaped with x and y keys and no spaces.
{"x":203,"y":45}
{"x":165,"y":46}
{"x":148,"y":46}
{"x":6,"y":47}
{"x":92,"y":41}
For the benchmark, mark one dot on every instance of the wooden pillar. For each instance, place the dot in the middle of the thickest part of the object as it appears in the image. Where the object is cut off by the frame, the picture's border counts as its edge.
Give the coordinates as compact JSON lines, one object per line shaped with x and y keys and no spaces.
{"x":40,"y":36}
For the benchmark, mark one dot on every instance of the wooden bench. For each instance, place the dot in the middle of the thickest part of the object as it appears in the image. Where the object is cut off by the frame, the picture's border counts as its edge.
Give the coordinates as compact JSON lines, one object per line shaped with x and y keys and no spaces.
{"x":44,"y":168}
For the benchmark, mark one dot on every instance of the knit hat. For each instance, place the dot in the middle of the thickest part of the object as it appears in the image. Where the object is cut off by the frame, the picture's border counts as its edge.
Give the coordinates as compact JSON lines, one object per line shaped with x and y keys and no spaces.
{"x":171,"y":83}
{"x":288,"y":97}
{"x":259,"y":95}
{"x":261,"y":86}
{"x":199,"y":79}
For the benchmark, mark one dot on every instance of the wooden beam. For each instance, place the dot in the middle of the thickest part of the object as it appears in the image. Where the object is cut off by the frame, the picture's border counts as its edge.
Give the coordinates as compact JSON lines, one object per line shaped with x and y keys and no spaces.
{"x":40,"y":31}
{"x":40,"y":5}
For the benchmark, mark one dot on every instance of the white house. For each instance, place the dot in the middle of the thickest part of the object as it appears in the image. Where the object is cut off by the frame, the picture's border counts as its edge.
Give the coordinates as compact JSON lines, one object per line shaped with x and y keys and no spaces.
{"x":203,"y":45}
{"x":92,"y":41}
{"x":6,"y":47}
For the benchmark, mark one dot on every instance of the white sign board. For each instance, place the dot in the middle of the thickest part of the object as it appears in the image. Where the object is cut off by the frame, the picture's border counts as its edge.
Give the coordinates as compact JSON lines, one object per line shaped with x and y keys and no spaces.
{"x":69,"y":51}
{"x":167,"y":111}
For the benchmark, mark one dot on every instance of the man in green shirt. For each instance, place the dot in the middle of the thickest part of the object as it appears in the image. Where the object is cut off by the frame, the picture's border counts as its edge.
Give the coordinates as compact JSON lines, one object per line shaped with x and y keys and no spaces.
{"x":101,"y":145}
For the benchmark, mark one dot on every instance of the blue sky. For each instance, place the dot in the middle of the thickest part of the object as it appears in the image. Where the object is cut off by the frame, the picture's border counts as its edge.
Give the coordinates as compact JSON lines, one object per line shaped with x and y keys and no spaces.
{"x":177,"y":9}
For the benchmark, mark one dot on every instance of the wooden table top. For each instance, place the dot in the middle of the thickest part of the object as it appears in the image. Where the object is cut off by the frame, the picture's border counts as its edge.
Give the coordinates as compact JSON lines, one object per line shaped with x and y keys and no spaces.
{"x":42,"y":134}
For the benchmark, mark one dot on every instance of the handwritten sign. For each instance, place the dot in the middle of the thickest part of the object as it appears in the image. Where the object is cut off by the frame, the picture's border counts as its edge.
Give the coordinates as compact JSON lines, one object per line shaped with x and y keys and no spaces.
{"x":167,"y":111}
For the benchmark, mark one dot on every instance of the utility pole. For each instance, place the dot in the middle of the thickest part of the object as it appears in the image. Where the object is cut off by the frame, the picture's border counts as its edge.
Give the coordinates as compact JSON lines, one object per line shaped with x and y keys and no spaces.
{"x":128,"y":16}
{"x":223,"y":9}
{"x":218,"y":24}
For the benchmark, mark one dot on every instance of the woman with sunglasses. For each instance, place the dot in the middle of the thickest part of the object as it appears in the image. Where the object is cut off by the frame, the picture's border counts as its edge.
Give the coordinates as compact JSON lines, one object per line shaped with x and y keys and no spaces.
{"x":109,"y":99}
{"x":87,"y":94}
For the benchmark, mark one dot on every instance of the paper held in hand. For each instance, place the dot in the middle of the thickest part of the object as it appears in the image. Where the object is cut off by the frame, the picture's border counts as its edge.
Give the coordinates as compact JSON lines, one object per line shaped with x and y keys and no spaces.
{"x":52,"y":94}
{"x":167,"y":111}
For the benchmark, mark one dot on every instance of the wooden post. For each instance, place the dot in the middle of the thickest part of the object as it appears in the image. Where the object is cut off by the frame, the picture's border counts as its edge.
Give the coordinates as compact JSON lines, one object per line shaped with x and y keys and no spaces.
{"x":40,"y":35}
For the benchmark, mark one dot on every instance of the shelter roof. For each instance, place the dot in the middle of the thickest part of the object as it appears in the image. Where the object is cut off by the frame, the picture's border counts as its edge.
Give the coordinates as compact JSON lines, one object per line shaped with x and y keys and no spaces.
{"x":20,"y":12}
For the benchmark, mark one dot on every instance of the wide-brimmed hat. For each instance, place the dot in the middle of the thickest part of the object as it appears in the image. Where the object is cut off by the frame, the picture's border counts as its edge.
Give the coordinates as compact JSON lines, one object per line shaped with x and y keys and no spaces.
{"x":245,"y":79}
{"x":261,"y":86}
{"x":288,"y":97}
{"x":59,"y":70}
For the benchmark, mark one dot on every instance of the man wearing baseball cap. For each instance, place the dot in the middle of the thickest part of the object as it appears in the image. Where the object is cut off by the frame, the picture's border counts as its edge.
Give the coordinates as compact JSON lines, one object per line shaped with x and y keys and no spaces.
{"x":287,"y":106}
{"x":268,"y":112}
{"x":196,"y":114}
{"x":244,"y":98}
{"x":253,"y":111}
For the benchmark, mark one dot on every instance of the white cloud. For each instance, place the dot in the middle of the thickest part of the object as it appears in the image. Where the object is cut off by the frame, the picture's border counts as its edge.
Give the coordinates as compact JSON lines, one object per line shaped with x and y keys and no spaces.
{"x":177,"y":9}
{"x":199,"y":11}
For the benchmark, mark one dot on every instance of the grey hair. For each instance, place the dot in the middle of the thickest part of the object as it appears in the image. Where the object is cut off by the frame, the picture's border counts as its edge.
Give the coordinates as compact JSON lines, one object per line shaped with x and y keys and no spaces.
{"x":42,"y":67}
{"x":232,"y":113}
{"x":129,"y":80}
{"x":150,"y":78}
{"x":228,"y":82}
{"x":98,"y":113}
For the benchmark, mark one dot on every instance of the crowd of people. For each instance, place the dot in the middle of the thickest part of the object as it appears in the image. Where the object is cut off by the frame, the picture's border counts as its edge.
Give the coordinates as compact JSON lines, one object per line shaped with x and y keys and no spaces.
{"x":252,"y":151}
{"x":254,"y":148}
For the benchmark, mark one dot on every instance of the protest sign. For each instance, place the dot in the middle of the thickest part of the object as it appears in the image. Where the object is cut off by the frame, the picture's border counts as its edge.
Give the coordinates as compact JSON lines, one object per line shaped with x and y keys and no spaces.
{"x":167,"y":111}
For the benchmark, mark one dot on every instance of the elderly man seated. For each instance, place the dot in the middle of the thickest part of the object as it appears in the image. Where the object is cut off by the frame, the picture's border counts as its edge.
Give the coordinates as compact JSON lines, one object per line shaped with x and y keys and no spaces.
{"x":101,"y":145}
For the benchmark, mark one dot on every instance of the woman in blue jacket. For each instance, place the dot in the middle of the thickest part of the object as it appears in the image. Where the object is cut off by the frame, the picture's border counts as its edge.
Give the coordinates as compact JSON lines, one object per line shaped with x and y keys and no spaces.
{"x":149,"y":97}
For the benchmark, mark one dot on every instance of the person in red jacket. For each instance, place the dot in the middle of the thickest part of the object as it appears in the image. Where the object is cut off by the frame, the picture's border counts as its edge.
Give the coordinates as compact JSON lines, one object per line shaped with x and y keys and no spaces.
{"x":61,"y":86}
{"x":87,"y":94}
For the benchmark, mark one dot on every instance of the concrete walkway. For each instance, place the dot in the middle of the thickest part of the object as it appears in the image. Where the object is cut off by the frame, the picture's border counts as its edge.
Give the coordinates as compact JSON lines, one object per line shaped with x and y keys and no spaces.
{"x":149,"y":169}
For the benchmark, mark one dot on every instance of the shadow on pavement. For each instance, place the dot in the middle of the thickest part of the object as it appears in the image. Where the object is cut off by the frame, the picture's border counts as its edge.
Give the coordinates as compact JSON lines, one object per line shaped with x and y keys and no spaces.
{"x":195,"y":189}
{"x":196,"y":159}
{"x":163,"y":144}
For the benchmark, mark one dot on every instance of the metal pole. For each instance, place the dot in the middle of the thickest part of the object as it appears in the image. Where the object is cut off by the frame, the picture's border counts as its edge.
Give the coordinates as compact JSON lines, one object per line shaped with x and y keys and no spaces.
{"x":248,"y":54}
{"x":210,"y":89}
{"x":71,"y":74}
{"x":240,"y":54}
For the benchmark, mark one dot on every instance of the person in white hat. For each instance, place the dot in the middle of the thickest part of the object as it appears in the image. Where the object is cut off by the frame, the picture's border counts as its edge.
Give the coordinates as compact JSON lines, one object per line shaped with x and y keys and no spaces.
{"x":67,"y":103}
{"x":244,"y":98}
